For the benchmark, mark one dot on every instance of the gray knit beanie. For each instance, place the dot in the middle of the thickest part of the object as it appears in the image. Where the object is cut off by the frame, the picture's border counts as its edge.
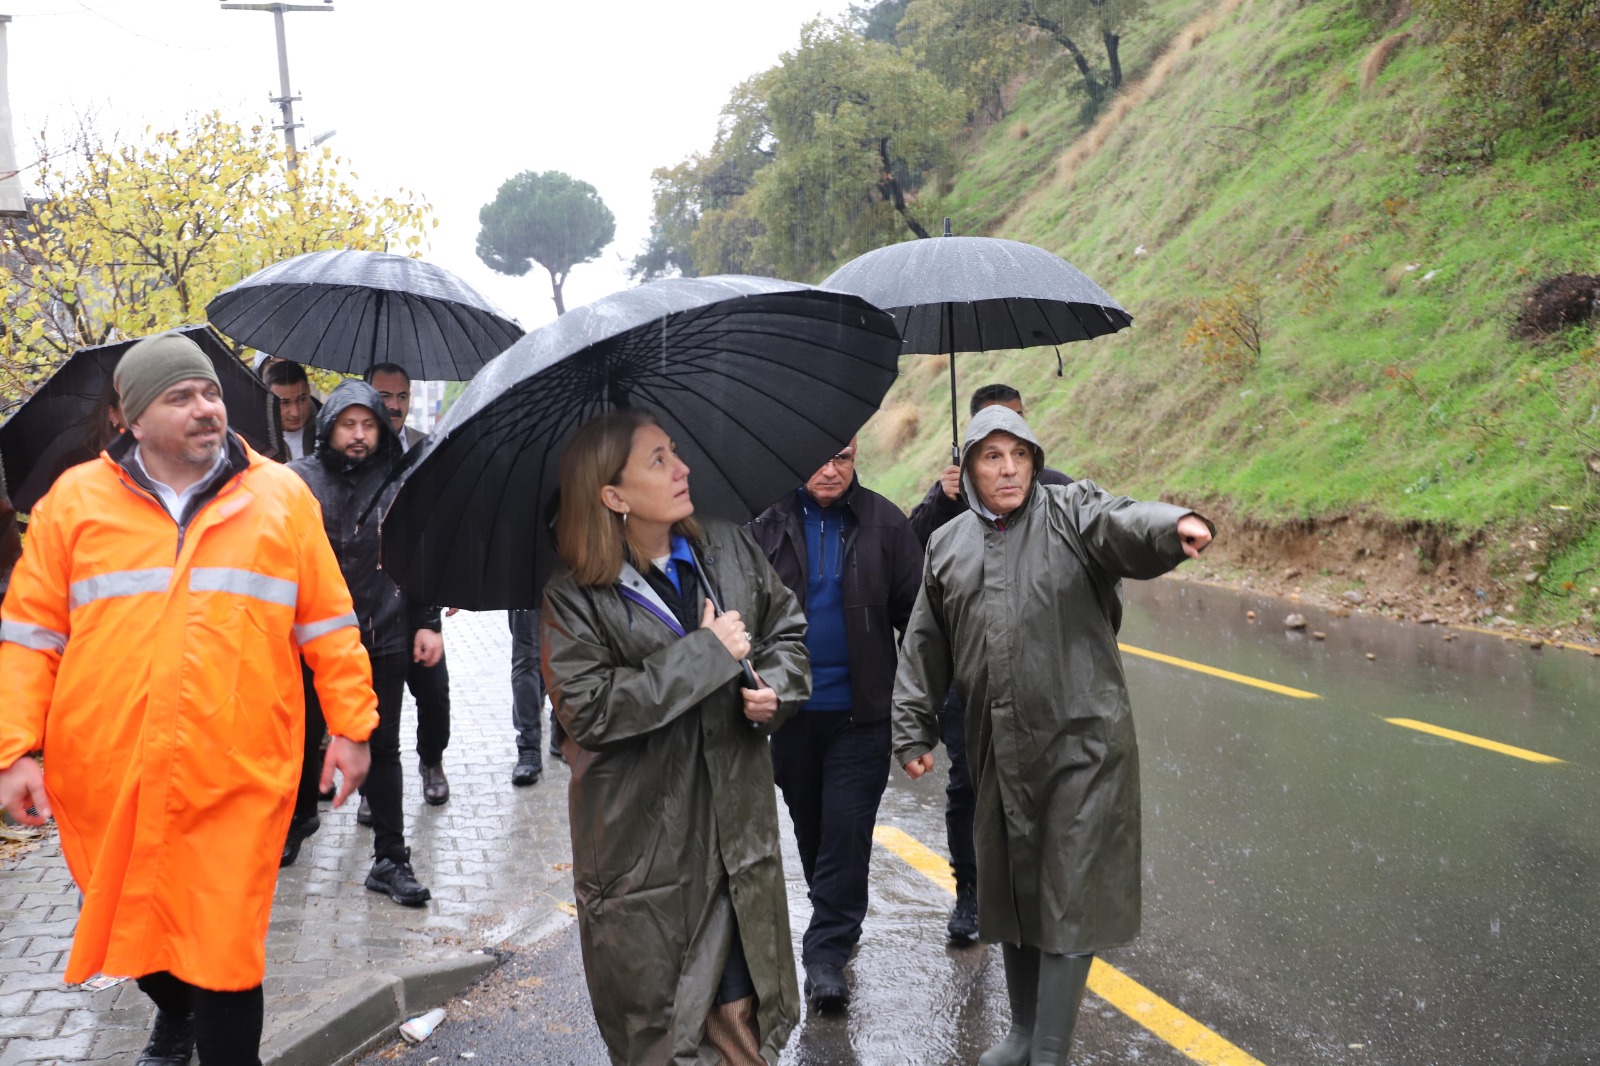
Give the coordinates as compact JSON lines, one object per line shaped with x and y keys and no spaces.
{"x":153,"y":366}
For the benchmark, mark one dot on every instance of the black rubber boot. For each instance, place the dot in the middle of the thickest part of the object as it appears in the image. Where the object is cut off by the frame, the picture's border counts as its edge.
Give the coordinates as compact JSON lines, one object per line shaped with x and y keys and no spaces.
{"x":1022,"y":989}
{"x":1061,"y":982}
{"x":171,"y":1041}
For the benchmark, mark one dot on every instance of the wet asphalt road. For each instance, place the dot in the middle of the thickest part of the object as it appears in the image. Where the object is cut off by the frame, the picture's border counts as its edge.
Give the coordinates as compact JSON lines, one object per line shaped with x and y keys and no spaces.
{"x":1321,"y":886}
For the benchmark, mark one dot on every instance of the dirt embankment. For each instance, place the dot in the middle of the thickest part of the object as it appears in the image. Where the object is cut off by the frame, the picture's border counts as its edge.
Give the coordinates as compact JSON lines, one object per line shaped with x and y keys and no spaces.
{"x":1349,"y":563}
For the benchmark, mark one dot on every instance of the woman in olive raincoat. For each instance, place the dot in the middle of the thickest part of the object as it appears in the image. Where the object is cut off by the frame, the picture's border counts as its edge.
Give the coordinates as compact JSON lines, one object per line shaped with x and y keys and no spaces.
{"x":1020,"y":606}
{"x":681,"y":899}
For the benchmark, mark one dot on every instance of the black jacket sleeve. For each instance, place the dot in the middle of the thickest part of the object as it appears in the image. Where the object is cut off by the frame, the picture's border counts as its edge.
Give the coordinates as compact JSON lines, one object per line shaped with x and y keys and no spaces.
{"x":934,"y":511}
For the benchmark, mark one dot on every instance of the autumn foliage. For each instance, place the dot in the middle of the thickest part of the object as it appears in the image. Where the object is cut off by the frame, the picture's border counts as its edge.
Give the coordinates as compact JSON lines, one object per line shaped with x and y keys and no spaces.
{"x":124,"y":240}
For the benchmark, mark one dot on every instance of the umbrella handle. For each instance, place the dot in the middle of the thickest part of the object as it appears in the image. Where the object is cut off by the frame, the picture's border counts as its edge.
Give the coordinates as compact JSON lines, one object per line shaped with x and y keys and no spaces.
{"x":748,"y":680}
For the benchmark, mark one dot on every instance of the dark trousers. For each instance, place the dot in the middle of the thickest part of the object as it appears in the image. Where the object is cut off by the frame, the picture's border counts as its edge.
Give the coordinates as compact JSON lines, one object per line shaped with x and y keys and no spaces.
{"x":430,"y":687}
{"x":960,"y":798}
{"x":527,"y":684}
{"x":832,"y":772}
{"x":227,"y":1025}
{"x":384,"y":783}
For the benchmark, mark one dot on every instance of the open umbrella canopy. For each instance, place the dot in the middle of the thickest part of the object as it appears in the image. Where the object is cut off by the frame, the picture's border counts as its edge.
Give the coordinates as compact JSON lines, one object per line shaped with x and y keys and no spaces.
{"x":67,"y":422}
{"x":977,"y":294}
{"x":349,"y":310}
{"x":758,"y":381}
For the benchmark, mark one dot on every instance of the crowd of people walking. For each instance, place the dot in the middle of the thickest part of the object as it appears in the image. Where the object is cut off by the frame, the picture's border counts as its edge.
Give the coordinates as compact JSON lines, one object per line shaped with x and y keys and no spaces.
{"x":204,"y":645}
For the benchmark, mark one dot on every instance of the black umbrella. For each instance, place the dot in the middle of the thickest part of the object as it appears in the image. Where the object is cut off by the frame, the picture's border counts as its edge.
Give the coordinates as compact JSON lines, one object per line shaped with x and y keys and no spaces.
{"x":975,"y":294}
{"x":349,"y":310}
{"x":758,"y":381}
{"x":66,"y":421}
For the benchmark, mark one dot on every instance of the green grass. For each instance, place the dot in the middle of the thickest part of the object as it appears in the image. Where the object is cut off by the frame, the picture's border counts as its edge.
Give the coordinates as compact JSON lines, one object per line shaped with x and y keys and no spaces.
{"x":1406,"y":397}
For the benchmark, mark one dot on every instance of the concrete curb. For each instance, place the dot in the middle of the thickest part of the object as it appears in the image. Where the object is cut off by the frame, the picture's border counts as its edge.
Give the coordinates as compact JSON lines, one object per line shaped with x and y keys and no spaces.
{"x":367,"y":1014}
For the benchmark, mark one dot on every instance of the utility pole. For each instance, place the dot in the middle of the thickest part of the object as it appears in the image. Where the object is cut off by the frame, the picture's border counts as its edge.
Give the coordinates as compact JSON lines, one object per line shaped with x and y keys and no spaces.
{"x":285,"y":100}
{"x":12,"y":204}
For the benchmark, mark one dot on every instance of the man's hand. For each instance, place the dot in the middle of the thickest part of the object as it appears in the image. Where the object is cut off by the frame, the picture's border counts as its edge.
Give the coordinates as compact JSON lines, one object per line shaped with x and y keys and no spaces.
{"x":760,"y":704}
{"x":352,"y":759}
{"x":427,"y":648}
{"x":950,"y":481}
{"x":22,"y":792}
{"x":920,"y":765}
{"x":1194,"y":535}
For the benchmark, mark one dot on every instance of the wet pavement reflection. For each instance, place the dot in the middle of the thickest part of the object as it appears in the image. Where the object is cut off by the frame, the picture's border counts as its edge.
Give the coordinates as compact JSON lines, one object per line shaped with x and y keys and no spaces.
{"x":1320,"y":886}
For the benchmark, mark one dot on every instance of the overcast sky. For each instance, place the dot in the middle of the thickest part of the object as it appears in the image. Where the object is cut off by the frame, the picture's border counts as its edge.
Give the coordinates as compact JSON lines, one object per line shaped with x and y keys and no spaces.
{"x":449,"y":99}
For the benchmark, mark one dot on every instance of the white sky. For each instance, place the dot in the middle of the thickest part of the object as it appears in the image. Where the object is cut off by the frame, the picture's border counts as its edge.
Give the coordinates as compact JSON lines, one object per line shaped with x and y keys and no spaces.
{"x":448,"y":99}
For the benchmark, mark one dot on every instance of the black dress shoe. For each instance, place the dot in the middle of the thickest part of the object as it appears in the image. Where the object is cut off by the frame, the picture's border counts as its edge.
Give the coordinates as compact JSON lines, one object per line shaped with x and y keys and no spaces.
{"x":435,"y":786}
{"x":825,"y":987}
{"x":398,"y":881}
{"x":963,"y":927}
{"x":298,"y":831}
{"x":527,"y":771}
{"x":171,"y":1041}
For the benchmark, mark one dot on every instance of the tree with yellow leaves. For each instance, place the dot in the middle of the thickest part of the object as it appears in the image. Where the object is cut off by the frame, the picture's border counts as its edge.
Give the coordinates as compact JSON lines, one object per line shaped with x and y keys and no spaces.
{"x":127,"y":240}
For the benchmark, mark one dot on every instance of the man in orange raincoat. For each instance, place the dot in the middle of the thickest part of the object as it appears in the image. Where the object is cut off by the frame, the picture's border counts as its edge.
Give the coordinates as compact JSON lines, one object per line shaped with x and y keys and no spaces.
{"x":150,"y":645}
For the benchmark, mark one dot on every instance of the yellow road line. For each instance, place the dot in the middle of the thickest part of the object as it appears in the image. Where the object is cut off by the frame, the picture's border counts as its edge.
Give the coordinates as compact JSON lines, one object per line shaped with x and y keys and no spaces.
{"x":1110,"y":984}
{"x":1226,"y":675}
{"x":1477,"y":742}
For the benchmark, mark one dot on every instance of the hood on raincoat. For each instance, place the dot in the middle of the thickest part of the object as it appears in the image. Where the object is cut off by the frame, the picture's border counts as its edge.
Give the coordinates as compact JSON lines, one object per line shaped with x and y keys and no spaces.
{"x":356,"y":394}
{"x":997,"y":419}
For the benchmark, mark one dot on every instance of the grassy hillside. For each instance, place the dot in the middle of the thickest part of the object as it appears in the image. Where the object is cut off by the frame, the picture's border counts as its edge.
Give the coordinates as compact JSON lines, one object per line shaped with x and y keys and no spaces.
{"x":1389,"y":384}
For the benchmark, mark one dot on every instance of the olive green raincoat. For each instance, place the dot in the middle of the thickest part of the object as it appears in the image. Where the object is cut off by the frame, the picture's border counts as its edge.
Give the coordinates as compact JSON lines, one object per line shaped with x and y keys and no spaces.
{"x":1023,"y":615}
{"x":673,"y":810}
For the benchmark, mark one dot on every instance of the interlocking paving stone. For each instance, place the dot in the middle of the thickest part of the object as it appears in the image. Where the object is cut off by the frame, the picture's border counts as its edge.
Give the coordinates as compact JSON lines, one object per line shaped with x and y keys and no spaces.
{"x":497,"y":859}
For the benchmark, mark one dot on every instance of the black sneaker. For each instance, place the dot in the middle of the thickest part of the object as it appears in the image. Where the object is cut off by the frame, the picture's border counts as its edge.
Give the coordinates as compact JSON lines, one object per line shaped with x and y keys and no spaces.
{"x":527,"y":771}
{"x":963,"y":925}
{"x":825,"y":987}
{"x":399,"y":881}
{"x":171,"y":1041}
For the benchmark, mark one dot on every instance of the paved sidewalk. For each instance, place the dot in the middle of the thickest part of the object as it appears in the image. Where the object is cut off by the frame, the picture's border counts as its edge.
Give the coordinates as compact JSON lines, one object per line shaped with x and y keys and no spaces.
{"x":497,"y":859}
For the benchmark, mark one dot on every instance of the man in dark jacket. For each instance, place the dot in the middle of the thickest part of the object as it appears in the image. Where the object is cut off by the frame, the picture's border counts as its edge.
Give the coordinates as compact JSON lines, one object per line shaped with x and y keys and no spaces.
{"x":429,"y":685}
{"x":852,"y":562}
{"x":945,"y":501}
{"x":356,"y":451}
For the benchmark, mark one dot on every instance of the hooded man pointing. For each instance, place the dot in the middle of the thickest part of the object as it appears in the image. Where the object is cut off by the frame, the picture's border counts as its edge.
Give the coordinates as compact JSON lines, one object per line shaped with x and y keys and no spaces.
{"x":1020,"y":606}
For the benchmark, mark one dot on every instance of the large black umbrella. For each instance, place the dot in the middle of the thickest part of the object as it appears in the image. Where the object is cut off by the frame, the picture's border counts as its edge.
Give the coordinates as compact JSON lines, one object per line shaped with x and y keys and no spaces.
{"x":758,"y":381}
{"x":349,"y":310}
{"x":66,"y":421}
{"x":974,"y":294}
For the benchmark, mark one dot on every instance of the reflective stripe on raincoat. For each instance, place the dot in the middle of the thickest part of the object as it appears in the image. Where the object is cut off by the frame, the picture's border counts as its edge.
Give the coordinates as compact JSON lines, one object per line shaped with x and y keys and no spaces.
{"x":158,"y":669}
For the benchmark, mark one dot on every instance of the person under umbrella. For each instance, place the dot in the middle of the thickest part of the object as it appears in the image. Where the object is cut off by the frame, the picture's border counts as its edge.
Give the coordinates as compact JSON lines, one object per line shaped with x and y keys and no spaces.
{"x":10,"y":536}
{"x":150,"y":643}
{"x":297,"y":411}
{"x":677,"y":866}
{"x":850,"y":558}
{"x":1020,"y":607}
{"x":356,"y":451}
{"x":429,"y":683}
{"x":944,"y":501}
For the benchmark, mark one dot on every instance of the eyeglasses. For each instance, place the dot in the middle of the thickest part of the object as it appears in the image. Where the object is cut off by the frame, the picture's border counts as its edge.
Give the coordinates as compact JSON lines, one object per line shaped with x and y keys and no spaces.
{"x":843,"y":459}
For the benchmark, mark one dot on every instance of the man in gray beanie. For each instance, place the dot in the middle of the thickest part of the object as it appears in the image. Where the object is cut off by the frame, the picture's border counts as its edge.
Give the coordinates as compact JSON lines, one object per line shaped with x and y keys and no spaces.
{"x":150,"y":646}
{"x":180,"y":444}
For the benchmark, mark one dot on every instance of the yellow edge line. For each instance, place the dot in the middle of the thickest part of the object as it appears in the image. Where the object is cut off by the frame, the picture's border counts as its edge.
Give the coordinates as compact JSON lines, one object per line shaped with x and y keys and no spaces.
{"x":1226,"y":675}
{"x":1110,"y":984}
{"x":1477,"y":742}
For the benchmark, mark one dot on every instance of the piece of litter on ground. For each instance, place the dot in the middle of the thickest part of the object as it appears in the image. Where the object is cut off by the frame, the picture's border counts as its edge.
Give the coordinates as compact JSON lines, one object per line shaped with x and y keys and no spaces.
{"x":570,"y":909}
{"x":97,"y":983}
{"x":469,"y":1054}
{"x":422,"y":1026}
